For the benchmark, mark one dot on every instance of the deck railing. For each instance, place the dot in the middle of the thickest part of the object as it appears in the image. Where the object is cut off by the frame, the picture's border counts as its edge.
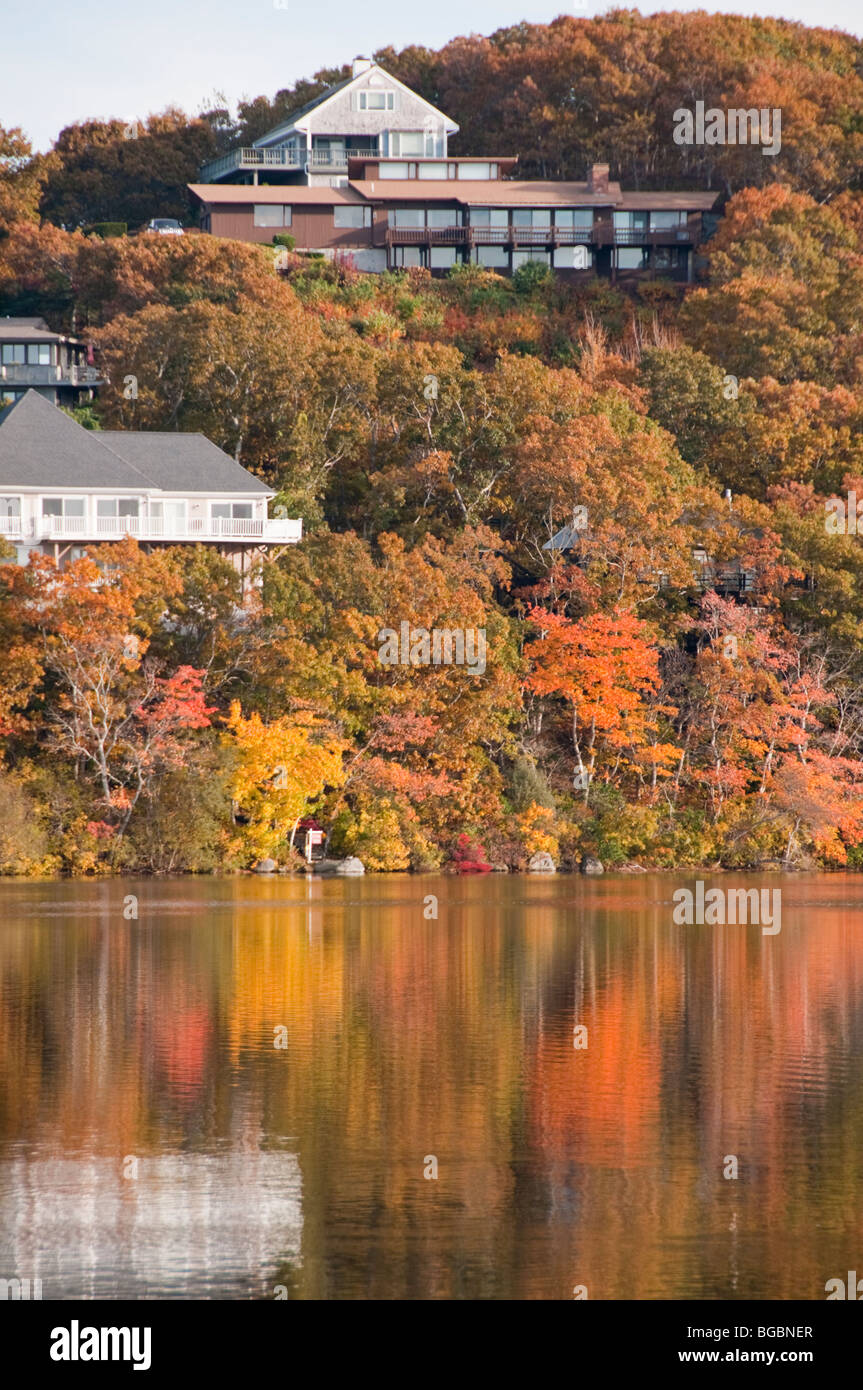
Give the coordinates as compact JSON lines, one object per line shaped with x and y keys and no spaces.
{"x":41,"y":374}
{"x":279,"y":157}
{"x":285,"y":530}
{"x":489,"y":236}
{"x":635,"y":236}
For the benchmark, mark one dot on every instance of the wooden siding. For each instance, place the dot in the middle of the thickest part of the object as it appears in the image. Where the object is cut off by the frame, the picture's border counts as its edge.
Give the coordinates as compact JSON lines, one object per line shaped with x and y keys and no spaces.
{"x":312,"y":228}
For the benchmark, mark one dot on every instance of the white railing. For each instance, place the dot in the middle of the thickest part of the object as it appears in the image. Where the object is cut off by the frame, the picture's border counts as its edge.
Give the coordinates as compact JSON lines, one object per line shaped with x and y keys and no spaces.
{"x":41,"y":374}
{"x":284,"y":531}
{"x":251,"y":158}
{"x":280,"y":157}
{"x":338,"y":159}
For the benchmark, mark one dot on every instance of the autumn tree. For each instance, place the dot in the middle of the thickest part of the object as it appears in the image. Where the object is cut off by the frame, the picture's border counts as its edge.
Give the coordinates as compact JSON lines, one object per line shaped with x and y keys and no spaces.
{"x":605,"y":670}
{"x":281,"y":769}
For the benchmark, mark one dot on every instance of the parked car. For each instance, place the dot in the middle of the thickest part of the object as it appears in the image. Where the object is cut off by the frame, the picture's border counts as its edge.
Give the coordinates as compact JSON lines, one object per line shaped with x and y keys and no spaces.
{"x":165,"y":226}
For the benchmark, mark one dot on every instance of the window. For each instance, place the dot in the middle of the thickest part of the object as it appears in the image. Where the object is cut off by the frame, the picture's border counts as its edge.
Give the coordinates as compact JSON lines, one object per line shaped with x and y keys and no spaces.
{"x":352,"y":217}
{"x":573,"y":217}
{"x":667,"y":257}
{"x":492,"y":257}
{"x":407,"y":255}
{"x":440,"y":257}
{"x":117,"y":506}
{"x":168,"y":518}
{"x":408,"y":142}
{"x":666,"y":221}
{"x":632,"y":257}
{"x":531,"y":217}
{"x":65,"y":507}
{"x":393,"y":171}
{"x":630,"y":221}
{"x":14,"y":352}
{"x":522,"y":257}
{"x":407,"y":217}
{"x":475,"y":170}
{"x":238,"y":511}
{"x":376,"y":101}
{"x":39,"y":354}
{"x":431,"y":171}
{"x":272,"y":215}
{"x":572,"y":258}
{"x":444,"y":217}
{"x":489,"y":217}
{"x":9,"y":506}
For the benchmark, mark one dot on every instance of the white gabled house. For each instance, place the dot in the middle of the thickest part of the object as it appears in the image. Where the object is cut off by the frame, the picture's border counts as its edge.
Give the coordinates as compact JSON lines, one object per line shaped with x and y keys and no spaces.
{"x":63,"y":488}
{"x":370,"y":115}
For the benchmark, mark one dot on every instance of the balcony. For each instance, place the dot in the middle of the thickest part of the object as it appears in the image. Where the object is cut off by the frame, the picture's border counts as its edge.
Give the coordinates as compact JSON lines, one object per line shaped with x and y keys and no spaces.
{"x":489,"y":236}
{"x":636,"y":236}
{"x":338,"y":159}
{"x":85,"y":530}
{"x":279,"y":157}
{"x":18,"y":374}
{"x":250,"y":158}
{"x":434,"y":236}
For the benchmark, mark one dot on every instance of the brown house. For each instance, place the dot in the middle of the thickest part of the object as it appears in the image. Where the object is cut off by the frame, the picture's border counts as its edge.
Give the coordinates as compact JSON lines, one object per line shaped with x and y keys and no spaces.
{"x":365,"y":169}
{"x":437,"y":213}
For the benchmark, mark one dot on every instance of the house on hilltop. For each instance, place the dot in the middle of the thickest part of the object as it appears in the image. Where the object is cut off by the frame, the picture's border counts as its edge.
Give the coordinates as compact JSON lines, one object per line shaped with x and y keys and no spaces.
{"x":370,"y":114}
{"x":55,"y":365}
{"x":365,"y":169}
{"x":63,"y":488}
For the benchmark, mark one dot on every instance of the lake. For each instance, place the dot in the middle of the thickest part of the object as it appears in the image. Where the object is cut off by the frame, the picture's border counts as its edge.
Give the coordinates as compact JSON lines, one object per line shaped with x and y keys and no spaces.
{"x":289,"y":1088}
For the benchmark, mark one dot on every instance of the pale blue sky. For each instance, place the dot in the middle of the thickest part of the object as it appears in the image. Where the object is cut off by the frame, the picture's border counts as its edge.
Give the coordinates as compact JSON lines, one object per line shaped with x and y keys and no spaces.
{"x":66,"y":60}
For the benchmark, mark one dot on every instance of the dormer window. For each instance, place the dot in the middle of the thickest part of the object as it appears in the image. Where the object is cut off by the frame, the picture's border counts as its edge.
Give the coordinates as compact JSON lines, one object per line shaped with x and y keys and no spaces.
{"x":376,"y":101}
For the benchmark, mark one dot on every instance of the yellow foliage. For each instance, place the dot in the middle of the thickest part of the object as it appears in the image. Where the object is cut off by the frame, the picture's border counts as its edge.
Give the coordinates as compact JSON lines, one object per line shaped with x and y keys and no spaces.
{"x":282,"y":767}
{"x":536,"y":829}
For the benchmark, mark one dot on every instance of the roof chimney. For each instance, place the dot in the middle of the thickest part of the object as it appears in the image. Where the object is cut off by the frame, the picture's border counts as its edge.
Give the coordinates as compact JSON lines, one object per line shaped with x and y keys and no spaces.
{"x":360,"y":65}
{"x":597,"y":178}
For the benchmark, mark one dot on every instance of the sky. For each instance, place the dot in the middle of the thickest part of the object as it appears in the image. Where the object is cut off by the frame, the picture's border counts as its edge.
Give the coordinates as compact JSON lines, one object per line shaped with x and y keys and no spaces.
{"x":64,"y":62}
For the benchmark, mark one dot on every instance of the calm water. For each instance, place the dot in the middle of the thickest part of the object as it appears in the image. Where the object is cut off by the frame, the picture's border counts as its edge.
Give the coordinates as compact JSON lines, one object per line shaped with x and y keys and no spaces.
{"x":154,"y":1142}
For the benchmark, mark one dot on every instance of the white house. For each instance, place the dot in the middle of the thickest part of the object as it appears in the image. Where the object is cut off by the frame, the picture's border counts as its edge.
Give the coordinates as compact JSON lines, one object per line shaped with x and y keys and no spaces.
{"x":369,"y":115}
{"x":63,"y":487}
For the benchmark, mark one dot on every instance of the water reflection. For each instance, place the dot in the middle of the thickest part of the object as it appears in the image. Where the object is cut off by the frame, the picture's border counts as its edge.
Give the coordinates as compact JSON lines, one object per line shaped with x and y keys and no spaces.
{"x":257,"y":1165}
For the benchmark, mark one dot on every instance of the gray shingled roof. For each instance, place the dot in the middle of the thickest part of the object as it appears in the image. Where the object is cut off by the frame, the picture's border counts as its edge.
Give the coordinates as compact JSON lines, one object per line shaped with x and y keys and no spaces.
{"x":182,"y":462}
{"x":30,"y":330}
{"x":41,"y":446}
{"x":293,"y":116}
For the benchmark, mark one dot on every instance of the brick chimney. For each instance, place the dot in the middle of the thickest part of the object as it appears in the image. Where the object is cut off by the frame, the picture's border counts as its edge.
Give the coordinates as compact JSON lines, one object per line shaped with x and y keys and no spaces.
{"x":597,"y":178}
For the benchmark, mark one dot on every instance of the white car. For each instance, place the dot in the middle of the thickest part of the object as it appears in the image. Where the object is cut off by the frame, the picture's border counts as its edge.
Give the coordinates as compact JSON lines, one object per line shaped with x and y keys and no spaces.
{"x":165,"y":226}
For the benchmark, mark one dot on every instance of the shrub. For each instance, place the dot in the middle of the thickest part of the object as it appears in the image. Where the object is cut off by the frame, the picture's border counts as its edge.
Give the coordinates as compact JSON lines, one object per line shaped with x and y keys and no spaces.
{"x":532,"y":277}
{"x":200,"y":804}
{"x":526,"y":785}
{"x":108,"y":229}
{"x":285,"y":239}
{"x":22,"y":841}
